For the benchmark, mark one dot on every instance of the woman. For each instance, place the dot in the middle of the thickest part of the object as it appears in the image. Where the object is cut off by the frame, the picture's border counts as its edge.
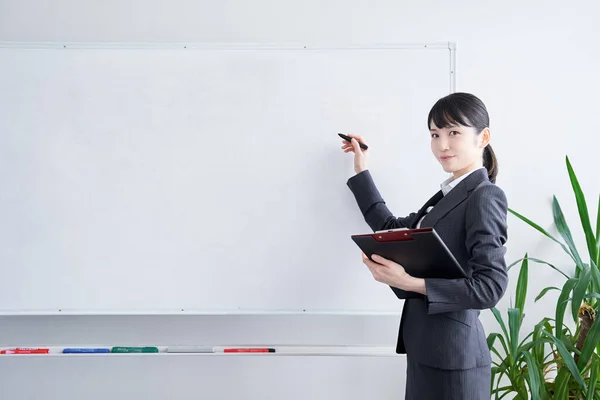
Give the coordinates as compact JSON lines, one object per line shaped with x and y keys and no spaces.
{"x":440,"y":331}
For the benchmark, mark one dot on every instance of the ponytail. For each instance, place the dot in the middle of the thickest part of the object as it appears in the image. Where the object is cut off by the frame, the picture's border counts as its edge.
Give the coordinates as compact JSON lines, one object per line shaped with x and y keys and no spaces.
{"x":490,"y":163}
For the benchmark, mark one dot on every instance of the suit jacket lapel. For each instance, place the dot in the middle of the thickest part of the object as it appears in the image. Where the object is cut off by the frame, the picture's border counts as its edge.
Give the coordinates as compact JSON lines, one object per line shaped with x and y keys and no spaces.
{"x":431,"y":202}
{"x":456,"y":196}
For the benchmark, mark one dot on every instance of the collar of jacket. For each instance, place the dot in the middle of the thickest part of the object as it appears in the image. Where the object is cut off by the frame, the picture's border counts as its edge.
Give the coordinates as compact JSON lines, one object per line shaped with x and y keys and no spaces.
{"x":444,"y":204}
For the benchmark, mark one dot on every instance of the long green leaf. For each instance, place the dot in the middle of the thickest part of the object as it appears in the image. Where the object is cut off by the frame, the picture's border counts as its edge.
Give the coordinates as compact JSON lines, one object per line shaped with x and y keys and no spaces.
{"x":580,"y":291}
{"x":504,"y":395}
{"x":593,"y":379}
{"x":583,"y":213}
{"x":500,"y":321}
{"x":522,"y":286}
{"x":546,"y":290}
{"x":538,"y":350}
{"x":540,"y":262}
{"x":592,"y":340}
{"x":592,"y":296}
{"x":514,"y":324}
{"x":504,"y":366}
{"x":563,"y":228}
{"x":542,"y":230}
{"x":503,"y":388}
{"x":598,"y":233}
{"x":561,"y":305}
{"x":534,"y":375}
{"x":524,"y":340}
{"x":530,"y":346}
{"x":567,"y":359}
{"x":595,"y":277}
{"x":569,"y":343}
{"x":561,"y":385}
{"x":520,"y":386}
{"x":491,"y":339}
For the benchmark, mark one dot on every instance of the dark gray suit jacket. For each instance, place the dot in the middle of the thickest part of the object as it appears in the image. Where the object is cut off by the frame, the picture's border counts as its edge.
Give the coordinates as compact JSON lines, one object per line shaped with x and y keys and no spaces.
{"x":442,"y":329}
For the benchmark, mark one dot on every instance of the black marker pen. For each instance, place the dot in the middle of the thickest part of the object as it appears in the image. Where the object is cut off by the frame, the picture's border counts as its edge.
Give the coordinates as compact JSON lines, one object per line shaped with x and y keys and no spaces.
{"x":348,"y":138}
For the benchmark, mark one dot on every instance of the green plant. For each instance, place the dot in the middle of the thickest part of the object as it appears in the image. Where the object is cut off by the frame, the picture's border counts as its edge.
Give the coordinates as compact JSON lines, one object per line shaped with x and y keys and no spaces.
{"x":553,"y":362}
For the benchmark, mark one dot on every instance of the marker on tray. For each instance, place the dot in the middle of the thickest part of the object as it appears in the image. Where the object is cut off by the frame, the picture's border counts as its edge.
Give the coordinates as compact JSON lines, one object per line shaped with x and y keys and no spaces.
{"x":249,"y":350}
{"x":190,"y":349}
{"x":26,"y":350}
{"x":129,"y":349}
{"x":85,"y":350}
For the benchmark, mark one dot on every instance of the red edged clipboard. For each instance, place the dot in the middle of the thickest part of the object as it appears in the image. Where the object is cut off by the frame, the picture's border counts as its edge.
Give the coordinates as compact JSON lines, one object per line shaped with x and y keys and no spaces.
{"x":421,"y":252}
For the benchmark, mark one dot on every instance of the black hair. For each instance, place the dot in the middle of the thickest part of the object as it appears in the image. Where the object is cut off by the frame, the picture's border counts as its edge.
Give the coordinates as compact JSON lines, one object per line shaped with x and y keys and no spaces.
{"x":467,"y":110}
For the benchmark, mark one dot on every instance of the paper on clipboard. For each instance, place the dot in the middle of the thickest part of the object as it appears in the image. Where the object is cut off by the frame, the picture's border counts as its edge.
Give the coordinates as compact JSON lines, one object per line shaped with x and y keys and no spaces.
{"x":392,"y":230}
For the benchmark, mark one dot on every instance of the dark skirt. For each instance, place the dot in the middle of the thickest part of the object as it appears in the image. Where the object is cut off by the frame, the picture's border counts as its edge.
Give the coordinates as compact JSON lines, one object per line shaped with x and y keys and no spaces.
{"x":428,"y":383}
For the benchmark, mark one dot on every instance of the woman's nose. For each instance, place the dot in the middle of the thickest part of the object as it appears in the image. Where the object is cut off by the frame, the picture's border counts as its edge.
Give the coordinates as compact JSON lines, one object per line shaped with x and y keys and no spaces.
{"x":443,"y":145}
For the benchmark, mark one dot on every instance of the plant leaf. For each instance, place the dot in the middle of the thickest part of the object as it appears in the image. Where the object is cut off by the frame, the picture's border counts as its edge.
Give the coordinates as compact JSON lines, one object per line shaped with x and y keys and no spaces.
{"x":546,"y":290}
{"x":523,"y":342}
{"x":565,"y":232}
{"x":538,"y":350}
{"x":567,"y":359}
{"x":540,"y":229}
{"x":561,"y":385}
{"x":531,"y":345}
{"x":593,"y":379}
{"x":592,"y":296}
{"x":534,"y":375}
{"x":514,"y":324}
{"x":540,"y":262}
{"x":522,"y":285}
{"x":561,"y":305}
{"x":579,"y":292}
{"x":504,"y":395}
{"x":598,"y":233}
{"x":500,"y":321}
{"x":583,"y":213}
{"x":595,"y":277}
{"x":491,"y":339}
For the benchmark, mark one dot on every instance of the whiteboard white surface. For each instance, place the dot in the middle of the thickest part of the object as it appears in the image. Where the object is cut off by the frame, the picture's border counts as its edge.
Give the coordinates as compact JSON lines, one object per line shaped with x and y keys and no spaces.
{"x":204,"y":179}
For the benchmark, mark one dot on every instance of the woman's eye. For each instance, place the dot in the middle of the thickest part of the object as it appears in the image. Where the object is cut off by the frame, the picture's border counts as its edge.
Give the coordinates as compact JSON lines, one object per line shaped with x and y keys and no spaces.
{"x":455,"y":132}
{"x":434,"y":135}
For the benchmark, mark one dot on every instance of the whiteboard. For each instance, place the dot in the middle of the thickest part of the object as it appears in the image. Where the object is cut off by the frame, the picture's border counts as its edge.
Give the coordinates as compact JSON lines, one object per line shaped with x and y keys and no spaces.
{"x":165,"y":179}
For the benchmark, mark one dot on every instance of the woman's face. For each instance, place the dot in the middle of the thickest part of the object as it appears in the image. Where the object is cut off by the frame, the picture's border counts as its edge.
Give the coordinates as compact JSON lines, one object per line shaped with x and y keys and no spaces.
{"x":458,"y":148}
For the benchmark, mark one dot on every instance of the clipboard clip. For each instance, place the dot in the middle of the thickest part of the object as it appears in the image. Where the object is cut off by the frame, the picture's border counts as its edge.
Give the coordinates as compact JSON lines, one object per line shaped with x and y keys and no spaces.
{"x":397,"y":235}
{"x":393,"y":236}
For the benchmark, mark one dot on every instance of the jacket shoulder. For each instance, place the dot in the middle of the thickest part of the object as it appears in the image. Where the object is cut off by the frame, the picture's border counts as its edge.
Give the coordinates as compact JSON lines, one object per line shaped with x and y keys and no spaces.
{"x":487,"y":191}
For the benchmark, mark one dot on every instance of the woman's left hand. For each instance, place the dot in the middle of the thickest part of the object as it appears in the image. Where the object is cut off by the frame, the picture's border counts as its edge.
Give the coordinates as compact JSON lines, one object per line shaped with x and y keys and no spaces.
{"x":392,"y":274}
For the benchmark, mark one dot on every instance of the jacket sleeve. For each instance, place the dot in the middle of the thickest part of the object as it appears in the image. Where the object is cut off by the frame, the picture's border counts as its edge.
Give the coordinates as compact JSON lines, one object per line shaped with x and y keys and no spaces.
{"x":371,"y":204}
{"x":377,"y":215}
{"x":486,"y":234}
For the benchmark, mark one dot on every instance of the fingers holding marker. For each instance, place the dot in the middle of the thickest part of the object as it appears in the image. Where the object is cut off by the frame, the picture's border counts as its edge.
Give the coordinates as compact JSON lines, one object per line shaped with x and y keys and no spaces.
{"x":357,"y":138}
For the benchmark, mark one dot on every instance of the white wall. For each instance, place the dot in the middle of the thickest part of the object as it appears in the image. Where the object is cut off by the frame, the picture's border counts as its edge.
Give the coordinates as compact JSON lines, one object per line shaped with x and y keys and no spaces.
{"x":533,"y":63}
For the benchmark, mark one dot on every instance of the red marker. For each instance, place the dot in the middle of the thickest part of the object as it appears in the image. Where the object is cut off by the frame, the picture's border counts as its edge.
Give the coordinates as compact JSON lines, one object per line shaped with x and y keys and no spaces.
{"x":249,"y":350}
{"x":25,"y":350}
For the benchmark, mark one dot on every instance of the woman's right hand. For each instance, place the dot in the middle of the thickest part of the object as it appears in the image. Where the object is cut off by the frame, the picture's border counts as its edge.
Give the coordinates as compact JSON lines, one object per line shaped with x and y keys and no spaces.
{"x":360,"y":155}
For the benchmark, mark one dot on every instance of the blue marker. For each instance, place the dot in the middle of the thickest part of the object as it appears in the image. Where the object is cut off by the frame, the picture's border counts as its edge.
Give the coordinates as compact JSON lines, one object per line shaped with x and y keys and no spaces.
{"x":85,"y":350}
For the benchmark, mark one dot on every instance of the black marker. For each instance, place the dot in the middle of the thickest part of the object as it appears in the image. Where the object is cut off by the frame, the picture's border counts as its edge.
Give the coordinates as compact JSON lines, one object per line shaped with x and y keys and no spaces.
{"x":348,"y":138}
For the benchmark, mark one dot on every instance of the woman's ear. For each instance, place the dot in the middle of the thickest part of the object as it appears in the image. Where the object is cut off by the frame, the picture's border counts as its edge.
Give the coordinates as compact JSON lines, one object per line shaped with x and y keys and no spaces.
{"x":485,"y":135}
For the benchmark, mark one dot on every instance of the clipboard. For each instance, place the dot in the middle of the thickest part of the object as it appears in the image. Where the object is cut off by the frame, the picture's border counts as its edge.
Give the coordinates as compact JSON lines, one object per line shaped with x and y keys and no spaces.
{"x":421,"y":252}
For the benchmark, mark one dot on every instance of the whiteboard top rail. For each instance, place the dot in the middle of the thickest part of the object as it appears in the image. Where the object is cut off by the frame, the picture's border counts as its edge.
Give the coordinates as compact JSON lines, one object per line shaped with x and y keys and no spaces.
{"x":225,"y":46}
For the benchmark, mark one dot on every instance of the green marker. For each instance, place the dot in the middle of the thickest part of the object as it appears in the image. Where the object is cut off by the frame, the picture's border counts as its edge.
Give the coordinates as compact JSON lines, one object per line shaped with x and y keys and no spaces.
{"x":127,"y":349}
